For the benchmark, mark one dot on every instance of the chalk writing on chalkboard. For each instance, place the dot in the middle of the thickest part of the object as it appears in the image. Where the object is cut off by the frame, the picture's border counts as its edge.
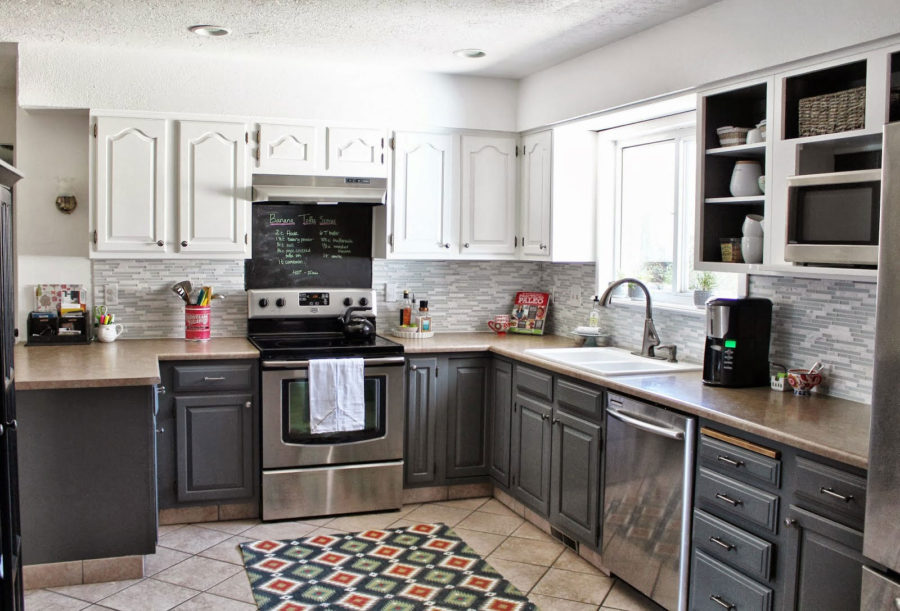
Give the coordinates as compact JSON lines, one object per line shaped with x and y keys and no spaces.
{"x":303,"y":245}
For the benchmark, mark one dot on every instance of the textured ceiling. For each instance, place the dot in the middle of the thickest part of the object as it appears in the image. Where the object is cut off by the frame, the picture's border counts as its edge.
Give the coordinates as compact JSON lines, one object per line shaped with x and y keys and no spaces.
{"x":520,"y":36}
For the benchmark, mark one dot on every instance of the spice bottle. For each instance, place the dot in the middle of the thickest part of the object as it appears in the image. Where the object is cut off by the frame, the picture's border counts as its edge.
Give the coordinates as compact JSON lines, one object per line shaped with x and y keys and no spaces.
{"x":406,"y":310}
{"x":424,"y":319}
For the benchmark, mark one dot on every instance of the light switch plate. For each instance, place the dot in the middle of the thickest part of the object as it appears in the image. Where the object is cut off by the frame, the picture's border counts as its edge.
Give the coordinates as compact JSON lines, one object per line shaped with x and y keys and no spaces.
{"x":111,"y":294}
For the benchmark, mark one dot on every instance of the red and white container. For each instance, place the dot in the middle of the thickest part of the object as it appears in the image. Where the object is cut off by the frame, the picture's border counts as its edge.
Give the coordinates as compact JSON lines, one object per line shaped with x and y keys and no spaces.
{"x":196,"y":323}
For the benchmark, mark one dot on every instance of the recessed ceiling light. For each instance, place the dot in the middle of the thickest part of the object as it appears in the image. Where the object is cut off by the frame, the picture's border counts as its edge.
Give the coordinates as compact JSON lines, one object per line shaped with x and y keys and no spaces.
{"x":209,"y":30}
{"x":469,"y":53}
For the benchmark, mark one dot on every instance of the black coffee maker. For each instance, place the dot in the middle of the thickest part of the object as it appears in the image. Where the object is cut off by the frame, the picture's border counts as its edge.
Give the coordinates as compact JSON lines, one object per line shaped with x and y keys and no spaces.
{"x":737,"y":342}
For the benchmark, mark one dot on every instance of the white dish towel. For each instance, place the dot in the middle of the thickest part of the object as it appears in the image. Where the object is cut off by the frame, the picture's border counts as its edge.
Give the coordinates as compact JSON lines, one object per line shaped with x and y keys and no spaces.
{"x":336,"y":396}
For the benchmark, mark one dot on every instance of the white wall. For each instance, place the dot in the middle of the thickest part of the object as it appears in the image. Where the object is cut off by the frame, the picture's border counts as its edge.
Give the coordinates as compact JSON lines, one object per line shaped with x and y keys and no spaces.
{"x":52,"y":247}
{"x":69,"y":76}
{"x":725,"y":39}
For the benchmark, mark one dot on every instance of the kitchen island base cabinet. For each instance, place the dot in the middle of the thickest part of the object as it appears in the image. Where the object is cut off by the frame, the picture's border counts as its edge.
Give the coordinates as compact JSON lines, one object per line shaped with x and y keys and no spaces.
{"x":446,"y":420}
{"x":87,"y":473}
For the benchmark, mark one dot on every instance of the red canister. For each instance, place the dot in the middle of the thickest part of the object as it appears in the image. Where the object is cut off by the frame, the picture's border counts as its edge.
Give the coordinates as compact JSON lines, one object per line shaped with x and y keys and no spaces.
{"x":196,"y":322}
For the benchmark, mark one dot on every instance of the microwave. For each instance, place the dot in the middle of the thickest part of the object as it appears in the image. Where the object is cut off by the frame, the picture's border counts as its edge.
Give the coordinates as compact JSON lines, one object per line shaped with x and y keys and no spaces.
{"x":833,"y":218}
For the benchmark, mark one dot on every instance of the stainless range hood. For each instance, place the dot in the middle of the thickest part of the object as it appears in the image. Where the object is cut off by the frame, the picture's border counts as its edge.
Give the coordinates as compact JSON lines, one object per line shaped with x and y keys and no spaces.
{"x":319,"y":189}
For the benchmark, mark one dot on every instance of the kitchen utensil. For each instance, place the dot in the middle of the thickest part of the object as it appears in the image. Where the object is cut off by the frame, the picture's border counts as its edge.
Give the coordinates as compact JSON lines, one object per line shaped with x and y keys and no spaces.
{"x":196,"y":322}
{"x":745,"y":178}
{"x":359,"y":328}
{"x":803,"y":381}
{"x":817,"y":367}
{"x":99,"y":312}
{"x":752,"y":227}
{"x":108,"y":333}
{"x":183,"y":290}
{"x":752,"y":249}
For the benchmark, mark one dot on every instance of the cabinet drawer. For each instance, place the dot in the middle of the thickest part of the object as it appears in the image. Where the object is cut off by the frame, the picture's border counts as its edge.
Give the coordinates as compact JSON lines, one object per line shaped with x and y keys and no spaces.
{"x":738,"y":462}
{"x":735,"y":498}
{"x":715,"y":587}
{"x":534,"y":382}
{"x":835,"y":493}
{"x":579,"y":399}
{"x":732,"y":545}
{"x":216,"y":377}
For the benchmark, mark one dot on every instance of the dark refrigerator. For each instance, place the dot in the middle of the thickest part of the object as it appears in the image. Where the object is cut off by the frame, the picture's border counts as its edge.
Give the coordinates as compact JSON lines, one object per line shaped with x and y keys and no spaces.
{"x":881,"y":543}
{"x":10,"y":539}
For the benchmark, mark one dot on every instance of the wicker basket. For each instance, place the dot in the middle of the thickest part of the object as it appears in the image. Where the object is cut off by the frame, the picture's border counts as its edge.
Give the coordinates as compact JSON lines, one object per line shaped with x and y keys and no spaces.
{"x":732,"y":136}
{"x":833,"y":112}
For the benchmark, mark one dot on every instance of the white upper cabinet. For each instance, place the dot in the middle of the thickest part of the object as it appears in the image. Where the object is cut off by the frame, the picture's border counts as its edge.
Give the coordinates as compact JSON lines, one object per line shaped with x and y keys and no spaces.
{"x":534,"y":194}
{"x":130,"y":185}
{"x":356,"y":151}
{"x":425,"y":194}
{"x":488,"y":200}
{"x":287,"y":149}
{"x":214,"y":186}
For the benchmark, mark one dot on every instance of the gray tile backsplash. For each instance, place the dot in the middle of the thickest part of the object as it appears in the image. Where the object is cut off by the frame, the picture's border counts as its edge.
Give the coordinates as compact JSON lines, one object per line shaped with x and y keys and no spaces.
{"x":828,"y":320}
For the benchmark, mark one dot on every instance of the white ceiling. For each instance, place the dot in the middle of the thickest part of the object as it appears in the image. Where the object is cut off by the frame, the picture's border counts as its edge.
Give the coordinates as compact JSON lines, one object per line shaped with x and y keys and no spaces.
{"x":520,"y":36}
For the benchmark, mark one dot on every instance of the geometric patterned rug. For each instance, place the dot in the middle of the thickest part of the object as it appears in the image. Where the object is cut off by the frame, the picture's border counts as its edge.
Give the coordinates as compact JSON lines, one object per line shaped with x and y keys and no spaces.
{"x":425,"y":566}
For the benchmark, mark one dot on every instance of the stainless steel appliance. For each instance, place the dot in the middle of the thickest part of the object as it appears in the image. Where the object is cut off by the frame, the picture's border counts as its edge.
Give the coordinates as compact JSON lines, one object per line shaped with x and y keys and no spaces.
{"x":833,"y":218}
{"x":882,"y":530}
{"x":319,"y":189}
{"x":737,"y":342}
{"x":648,"y":481}
{"x":308,"y":474}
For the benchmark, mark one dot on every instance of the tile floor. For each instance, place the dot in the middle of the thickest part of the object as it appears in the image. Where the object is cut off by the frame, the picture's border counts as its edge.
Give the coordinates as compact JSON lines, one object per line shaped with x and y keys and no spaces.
{"x":198,"y":566}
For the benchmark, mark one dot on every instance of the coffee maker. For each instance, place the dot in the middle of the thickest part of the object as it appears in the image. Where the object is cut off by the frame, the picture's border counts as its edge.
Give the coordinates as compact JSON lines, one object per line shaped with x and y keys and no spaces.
{"x":737,"y":342}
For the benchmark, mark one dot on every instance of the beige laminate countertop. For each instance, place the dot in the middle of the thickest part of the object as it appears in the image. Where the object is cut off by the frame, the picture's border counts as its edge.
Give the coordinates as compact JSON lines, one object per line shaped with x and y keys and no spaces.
{"x":129,"y":362}
{"x":828,"y":426}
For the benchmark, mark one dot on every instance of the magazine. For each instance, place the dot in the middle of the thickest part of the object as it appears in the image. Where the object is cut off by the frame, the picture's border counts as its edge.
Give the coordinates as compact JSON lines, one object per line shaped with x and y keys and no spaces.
{"x":529,"y":314}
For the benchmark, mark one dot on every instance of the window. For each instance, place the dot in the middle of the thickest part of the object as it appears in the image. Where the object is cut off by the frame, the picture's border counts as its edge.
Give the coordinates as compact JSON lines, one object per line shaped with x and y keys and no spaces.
{"x":653,"y":209}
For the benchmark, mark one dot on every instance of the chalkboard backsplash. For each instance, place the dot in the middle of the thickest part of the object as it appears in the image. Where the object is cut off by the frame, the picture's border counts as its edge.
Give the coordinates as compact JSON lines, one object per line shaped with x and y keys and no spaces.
{"x":309,"y":245}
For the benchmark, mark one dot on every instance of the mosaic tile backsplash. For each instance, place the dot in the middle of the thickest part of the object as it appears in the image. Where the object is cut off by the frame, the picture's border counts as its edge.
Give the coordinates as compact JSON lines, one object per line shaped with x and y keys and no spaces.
{"x":827,"y":320}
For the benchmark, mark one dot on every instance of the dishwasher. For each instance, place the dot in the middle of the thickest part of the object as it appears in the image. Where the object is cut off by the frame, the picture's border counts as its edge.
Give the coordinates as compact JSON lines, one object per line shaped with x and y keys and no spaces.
{"x":647,"y":498}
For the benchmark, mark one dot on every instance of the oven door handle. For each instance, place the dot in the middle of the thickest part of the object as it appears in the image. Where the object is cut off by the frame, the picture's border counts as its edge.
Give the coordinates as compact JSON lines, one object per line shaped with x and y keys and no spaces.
{"x":387,"y":360}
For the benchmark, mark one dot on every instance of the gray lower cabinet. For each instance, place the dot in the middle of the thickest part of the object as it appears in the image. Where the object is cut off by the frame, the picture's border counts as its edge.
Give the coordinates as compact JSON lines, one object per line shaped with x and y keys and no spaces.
{"x":575,"y":476}
{"x":446,"y":420}
{"x":500,"y":421}
{"x":825,"y":561}
{"x":208,"y":432}
{"x":530,"y":455}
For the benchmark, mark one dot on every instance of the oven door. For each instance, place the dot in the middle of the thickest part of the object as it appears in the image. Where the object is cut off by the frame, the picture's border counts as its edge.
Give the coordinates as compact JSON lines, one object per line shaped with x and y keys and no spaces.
{"x":286,"y":436}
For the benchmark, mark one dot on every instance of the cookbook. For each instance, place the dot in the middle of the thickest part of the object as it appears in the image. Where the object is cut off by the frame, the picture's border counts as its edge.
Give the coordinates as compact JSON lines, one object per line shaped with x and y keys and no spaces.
{"x":529,"y":313}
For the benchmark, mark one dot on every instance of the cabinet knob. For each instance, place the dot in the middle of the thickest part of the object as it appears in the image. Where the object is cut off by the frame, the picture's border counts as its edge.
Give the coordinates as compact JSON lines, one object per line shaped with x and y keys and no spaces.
{"x":790,"y":522}
{"x":184,"y":243}
{"x":160,"y":243}
{"x":413,"y":367}
{"x":554,"y":421}
{"x":543,"y":247}
{"x":161,"y":429}
{"x":248,"y":404}
{"x":160,"y":390}
{"x":466,"y":244}
{"x":545,"y":417}
{"x":446,"y":244}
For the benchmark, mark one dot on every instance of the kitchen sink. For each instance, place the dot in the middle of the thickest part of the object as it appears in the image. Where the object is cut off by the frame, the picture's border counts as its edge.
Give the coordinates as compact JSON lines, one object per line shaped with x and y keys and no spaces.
{"x":609,"y":361}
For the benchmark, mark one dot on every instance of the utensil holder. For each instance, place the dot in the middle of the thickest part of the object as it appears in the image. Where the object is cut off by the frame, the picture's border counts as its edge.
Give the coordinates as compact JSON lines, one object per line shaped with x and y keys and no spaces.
{"x":196,"y":323}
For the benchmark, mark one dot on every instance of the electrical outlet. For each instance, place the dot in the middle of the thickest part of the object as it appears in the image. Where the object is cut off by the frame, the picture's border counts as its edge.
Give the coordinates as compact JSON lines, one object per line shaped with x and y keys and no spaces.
{"x":390,"y":292}
{"x":575,"y":293}
{"x":111,"y":294}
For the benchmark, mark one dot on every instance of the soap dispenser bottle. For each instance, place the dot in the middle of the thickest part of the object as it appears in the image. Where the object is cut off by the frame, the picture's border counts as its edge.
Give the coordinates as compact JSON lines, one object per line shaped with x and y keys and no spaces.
{"x":594,"y":317}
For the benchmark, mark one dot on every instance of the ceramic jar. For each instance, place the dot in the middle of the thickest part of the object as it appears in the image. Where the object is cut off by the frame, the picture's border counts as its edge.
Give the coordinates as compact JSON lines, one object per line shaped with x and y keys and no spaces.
{"x":745,"y":179}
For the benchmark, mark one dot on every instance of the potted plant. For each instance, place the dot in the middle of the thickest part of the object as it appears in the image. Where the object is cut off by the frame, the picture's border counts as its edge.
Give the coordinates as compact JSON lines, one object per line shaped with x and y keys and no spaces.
{"x":703,"y":284}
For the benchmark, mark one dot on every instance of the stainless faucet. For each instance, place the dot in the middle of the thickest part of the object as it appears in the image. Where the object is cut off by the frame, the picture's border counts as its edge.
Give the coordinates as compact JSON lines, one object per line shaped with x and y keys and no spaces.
{"x":650,"y":342}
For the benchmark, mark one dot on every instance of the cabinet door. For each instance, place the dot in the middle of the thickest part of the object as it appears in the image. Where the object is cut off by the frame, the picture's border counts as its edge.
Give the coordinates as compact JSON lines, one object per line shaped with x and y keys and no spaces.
{"x":488,"y":198}
{"x":467,"y":401}
{"x":287,"y":149}
{"x":214,"y":196}
{"x":530,"y":456}
{"x":214,"y":446}
{"x":426,"y":195}
{"x":500,"y":420}
{"x":534,"y":195}
{"x":575,"y":473}
{"x":130,"y":175}
{"x":824,"y":563}
{"x":420,"y":458}
{"x":356,"y":152}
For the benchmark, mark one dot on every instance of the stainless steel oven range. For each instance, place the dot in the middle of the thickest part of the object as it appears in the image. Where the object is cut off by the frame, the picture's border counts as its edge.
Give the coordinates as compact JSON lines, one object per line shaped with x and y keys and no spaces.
{"x":312,"y":474}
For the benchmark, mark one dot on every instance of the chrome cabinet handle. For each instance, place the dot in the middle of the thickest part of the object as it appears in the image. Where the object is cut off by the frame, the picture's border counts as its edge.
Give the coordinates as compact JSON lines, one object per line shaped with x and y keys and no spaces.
{"x":730,"y":461}
{"x":160,"y":390}
{"x":248,"y":404}
{"x":720,"y":543}
{"x":835,"y":495}
{"x":790,"y":522}
{"x":728,"y":499}
{"x":721,"y":601}
{"x":213,"y":379}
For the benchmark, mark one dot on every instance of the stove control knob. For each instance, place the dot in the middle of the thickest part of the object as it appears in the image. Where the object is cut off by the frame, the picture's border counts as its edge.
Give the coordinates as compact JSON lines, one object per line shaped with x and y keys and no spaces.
{"x":263,"y":302}
{"x":348,"y":302}
{"x":363,"y":301}
{"x":280,"y":302}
